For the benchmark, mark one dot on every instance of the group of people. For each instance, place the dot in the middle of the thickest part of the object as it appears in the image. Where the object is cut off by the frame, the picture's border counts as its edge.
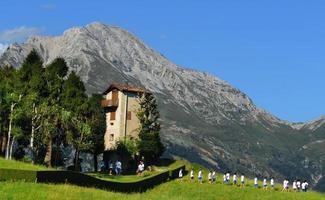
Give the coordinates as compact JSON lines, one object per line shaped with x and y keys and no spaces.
{"x":212,"y":177}
{"x":115,"y":167}
{"x":297,"y":185}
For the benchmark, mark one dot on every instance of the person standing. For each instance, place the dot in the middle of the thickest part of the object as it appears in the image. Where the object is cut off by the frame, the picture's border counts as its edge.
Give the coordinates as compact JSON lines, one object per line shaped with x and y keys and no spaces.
{"x":265,"y":184}
{"x":294,"y":186}
{"x":242,"y":180}
{"x":255,"y":182}
{"x":224,"y":178}
{"x":192,"y":174}
{"x":118,"y":167}
{"x":234,"y":179}
{"x":180,"y":174}
{"x":272,"y":183}
{"x":200,"y":176}
{"x":298,"y":185}
{"x":210,"y":177}
{"x":228,"y":177}
{"x":304,"y":186}
{"x":110,"y":167}
{"x":214,"y":177}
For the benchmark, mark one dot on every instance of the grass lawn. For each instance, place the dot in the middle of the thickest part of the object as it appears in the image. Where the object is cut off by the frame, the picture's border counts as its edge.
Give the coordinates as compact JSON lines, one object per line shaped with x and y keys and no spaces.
{"x":176,"y":189}
{"x":12,"y":164}
{"x":170,"y":190}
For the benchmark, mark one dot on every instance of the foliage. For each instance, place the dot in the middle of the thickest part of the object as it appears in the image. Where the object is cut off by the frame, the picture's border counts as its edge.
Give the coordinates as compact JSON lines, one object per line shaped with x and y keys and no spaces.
{"x":150,"y":145}
{"x":46,"y":108}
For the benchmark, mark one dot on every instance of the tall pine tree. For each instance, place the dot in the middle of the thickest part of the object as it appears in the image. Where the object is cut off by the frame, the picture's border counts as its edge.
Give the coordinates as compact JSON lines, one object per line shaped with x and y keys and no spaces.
{"x":150,"y":145}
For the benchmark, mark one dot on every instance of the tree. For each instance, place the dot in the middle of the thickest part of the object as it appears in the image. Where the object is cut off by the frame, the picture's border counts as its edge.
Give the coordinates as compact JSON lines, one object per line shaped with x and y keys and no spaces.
{"x":54,"y":76}
{"x":32,"y":75}
{"x":150,"y":145}
{"x":74,"y":100}
{"x":97,"y":125}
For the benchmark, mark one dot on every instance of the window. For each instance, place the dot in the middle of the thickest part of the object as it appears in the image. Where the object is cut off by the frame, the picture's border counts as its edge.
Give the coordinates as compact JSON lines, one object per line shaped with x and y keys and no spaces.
{"x":129,"y":115}
{"x":111,"y":137}
{"x":113,"y":113}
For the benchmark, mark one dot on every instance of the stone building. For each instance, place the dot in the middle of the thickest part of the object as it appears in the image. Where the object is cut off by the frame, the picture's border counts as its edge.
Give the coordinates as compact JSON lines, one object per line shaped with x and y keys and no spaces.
{"x":120,"y":104}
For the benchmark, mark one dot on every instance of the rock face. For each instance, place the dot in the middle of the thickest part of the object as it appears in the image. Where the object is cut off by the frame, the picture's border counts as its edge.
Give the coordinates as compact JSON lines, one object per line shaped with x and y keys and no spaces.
{"x":204,"y":119}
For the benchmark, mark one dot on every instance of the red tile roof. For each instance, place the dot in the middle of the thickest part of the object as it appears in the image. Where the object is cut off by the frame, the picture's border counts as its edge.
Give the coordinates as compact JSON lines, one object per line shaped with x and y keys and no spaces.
{"x":125,"y":87}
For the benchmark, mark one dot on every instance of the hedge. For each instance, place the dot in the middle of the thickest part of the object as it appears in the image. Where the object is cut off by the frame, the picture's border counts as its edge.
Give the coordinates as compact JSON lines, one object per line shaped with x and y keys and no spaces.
{"x":81,"y":179}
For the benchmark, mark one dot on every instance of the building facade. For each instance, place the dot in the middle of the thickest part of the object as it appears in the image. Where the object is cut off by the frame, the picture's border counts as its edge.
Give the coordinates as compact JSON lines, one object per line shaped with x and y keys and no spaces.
{"x":121,"y":104}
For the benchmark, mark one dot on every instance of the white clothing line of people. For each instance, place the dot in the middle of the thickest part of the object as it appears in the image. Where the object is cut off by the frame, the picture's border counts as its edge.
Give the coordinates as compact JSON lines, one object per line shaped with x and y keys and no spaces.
{"x":297,"y":185}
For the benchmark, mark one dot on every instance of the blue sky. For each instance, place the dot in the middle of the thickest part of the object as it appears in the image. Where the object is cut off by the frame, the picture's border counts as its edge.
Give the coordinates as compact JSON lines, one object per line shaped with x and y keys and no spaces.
{"x":271,"y":50}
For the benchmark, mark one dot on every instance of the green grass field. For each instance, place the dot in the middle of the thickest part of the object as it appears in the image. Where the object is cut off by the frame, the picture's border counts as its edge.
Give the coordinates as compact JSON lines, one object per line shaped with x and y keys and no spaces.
{"x":12,"y":164}
{"x":177,"y":189}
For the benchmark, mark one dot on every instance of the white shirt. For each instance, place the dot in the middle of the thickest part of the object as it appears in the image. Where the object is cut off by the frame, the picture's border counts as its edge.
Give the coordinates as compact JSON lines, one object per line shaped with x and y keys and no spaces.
{"x":298,"y":184}
{"x":224,"y":177}
{"x":255,"y":181}
{"x":200,"y":174}
{"x":303,"y":186}
{"x":209,"y":176}
{"x":180,"y":174}
{"x":234,"y":177}
{"x":242,"y":178}
{"x":228,"y":176}
{"x":118,"y":165}
{"x":141,"y":167}
{"x":294,"y":185}
{"x":192,"y":173}
{"x":272,"y":181}
{"x":213,"y":174}
{"x":264,"y":182}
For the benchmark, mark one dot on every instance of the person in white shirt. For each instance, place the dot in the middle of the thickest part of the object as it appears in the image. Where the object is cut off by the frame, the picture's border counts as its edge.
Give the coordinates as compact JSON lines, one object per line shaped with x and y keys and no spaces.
{"x":255,"y":182}
{"x":234,"y":179}
{"x":192,"y":175}
{"x":224,"y":178}
{"x":265,"y":184}
{"x":284,"y":185}
{"x":294,"y":185}
{"x":304,"y":186}
{"x":228,"y":177}
{"x":118,"y":167}
{"x":242,"y":180}
{"x":298,"y":185}
{"x":272,"y":183}
{"x":140,"y":168}
{"x":200,"y":176}
{"x":214,"y":176}
{"x":210,"y":177}
{"x":287,"y":186}
{"x":180,"y":174}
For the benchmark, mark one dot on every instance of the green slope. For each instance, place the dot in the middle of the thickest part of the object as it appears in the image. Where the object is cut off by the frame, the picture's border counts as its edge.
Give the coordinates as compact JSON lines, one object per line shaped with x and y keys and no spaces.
{"x":176,"y":189}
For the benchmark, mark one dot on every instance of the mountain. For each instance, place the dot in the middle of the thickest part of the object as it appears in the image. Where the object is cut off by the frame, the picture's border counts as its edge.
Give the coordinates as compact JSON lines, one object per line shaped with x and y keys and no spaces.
{"x":204,"y":119}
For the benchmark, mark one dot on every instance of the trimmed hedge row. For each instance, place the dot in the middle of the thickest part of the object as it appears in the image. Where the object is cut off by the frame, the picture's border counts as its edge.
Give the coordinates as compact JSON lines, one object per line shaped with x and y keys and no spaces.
{"x":88,"y":181}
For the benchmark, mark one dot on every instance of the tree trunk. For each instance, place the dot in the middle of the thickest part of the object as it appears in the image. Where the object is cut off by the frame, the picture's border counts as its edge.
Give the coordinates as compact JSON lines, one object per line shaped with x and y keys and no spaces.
{"x":11,"y":147}
{"x":76,"y":159}
{"x":9,"y":130}
{"x":48,"y":155}
{"x":1,"y":139}
{"x":95,"y":162}
{"x":3,"y":146}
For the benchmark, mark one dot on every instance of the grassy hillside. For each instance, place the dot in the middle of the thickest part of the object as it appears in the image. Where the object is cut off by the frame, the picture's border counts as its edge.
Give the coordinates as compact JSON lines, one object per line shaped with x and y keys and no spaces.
{"x":171,"y":190}
{"x":12,"y":164}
